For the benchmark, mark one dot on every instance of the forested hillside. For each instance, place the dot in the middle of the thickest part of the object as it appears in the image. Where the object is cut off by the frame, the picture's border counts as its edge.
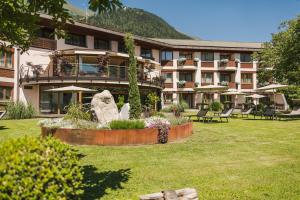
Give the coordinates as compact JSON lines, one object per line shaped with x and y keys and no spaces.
{"x":136,"y":21}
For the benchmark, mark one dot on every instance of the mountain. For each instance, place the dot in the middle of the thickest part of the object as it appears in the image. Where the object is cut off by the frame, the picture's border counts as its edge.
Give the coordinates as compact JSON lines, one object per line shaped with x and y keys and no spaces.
{"x":133,"y":20}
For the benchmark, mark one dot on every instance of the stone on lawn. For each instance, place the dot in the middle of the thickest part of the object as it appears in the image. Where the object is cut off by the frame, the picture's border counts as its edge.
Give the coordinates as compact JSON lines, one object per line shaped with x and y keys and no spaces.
{"x":105,"y":108}
{"x":124,"y":113}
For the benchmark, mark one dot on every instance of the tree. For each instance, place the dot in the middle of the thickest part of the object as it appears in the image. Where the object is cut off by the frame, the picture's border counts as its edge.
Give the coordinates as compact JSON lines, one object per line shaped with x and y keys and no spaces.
{"x":19,"y":18}
{"x":152,"y":100}
{"x":134,"y":93}
{"x":279,"y":60}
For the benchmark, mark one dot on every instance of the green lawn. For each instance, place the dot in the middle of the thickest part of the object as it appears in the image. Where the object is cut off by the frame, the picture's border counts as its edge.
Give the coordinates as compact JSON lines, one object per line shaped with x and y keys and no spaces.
{"x":242,"y":159}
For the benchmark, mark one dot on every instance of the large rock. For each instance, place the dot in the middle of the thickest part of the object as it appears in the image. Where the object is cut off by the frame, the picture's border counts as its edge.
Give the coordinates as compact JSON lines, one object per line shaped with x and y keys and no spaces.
{"x":124,"y":113}
{"x":105,"y":108}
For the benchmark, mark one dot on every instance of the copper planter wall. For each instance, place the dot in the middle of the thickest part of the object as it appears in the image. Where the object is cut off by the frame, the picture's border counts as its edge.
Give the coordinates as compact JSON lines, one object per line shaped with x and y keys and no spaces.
{"x":116,"y":137}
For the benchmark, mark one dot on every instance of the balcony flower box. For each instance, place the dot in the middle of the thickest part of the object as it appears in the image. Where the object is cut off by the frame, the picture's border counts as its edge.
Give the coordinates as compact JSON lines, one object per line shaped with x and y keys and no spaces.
{"x":224,"y":83}
{"x":196,"y":59}
{"x":181,"y":84}
{"x":181,"y":61}
{"x":224,"y":61}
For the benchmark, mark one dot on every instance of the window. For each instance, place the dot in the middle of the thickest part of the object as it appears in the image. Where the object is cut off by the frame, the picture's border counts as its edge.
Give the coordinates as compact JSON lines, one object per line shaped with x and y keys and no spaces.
{"x":168,"y":98}
{"x":45,"y":32}
{"x":187,"y":55}
{"x":169,"y":77}
{"x":113,"y":72}
{"x":247,"y":78}
{"x":225,"y":78}
{"x":146,"y":53}
{"x":207,"y":56}
{"x":5,"y":93}
{"x":186,"y":77}
{"x":121,"y":47}
{"x":76,"y":40}
{"x":88,"y":65}
{"x":66,"y":66}
{"x":246,"y":57}
{"x":166,"y":55}
{"x":6,"y":58}
{"x":207,"y":78}
{"x":101,"y":44}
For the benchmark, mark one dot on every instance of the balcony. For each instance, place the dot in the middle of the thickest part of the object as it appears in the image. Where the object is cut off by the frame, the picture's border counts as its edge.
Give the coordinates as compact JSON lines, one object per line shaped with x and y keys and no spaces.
{"x":166,"y":63}
{"x":186,"y":84}
{"x":227,"y":64}
{"x":231,"y":85}
{"x":247,"y":86}
{"x":69,"y":74}
{"x":44,"y":43}
{"x":246,"y":65}
{"x":207,"y":64}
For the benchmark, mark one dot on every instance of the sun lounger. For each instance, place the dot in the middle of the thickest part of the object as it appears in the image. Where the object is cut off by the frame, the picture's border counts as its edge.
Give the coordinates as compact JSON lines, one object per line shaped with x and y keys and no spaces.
{"x":293,"y":114}
{"x":224,"y":115}
{"x":246,"y":112}
{"x":199,"y":115}
{"x":2,"y":113}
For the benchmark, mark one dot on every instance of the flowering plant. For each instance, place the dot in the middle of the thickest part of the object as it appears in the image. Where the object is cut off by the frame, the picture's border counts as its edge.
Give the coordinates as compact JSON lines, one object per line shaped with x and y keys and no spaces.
{"x":163,"y":125}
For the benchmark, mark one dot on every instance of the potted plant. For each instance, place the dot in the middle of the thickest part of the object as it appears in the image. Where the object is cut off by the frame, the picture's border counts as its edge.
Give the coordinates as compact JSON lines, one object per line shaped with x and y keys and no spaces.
{"x":181,"y":84}
{"x":181,"y":61}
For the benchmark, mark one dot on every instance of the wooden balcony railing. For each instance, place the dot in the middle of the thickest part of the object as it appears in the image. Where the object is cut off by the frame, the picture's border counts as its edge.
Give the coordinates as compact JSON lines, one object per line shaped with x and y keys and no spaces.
{"x":230,"y":63}
{"x":207,"y":64}
{"x":44,"y":43}
{"x":231,"y":85}
{"x":247,"y":86}
{"x":247,"y":65}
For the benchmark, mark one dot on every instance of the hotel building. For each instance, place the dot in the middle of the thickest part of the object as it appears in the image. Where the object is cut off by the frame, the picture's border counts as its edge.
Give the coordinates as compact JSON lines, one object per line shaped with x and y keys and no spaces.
{"x":96,"y":58}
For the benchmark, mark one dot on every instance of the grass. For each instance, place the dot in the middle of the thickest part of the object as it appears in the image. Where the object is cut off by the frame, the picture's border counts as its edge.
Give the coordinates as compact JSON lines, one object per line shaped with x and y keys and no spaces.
{"x":242,"y":159}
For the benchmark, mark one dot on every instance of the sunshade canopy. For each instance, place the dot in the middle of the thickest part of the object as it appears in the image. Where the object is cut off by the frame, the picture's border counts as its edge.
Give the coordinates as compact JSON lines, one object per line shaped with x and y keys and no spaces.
{"x":233,"y":93}
{"x":256,"y":96}
{"x":211,"y":88}
{"x":272,"y":87}
{"x":70,"y":89}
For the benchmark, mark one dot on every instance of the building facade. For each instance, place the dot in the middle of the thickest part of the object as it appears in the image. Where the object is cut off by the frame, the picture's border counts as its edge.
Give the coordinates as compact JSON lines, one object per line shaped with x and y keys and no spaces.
{"x":96,"y":58}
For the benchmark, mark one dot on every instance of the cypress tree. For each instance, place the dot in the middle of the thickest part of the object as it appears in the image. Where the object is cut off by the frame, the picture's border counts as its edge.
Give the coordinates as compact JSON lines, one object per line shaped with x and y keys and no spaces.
{"x":134,"y":93}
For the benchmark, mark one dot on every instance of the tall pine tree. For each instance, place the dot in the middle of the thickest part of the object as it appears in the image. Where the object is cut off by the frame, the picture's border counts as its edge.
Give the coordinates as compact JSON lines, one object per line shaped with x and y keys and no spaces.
{"x":134,"y":93}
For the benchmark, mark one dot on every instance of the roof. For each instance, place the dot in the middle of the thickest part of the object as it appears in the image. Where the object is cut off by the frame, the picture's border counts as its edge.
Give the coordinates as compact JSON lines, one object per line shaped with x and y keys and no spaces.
{"x":209,"y":43}
{"x":178,"y":43}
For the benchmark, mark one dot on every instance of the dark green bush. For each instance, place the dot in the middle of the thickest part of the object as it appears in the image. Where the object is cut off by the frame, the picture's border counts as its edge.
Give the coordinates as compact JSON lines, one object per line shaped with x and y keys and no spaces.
{"x":121,"y":102}
{"x":127,"y":124}
{"x":35,"y":168}
{"x":75,"y":113}
{"x":216,"y":106}
{"x":18,"y":110}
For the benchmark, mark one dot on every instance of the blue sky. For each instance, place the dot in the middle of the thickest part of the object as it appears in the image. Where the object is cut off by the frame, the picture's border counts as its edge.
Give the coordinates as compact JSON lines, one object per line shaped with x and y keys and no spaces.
{"x":229,"y":20}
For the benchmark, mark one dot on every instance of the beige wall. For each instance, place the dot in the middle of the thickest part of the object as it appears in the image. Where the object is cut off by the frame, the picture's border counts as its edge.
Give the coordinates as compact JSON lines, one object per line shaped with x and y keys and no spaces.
{"x":155,"y":54}
{"x":30,"y":96}
{"x":114,"y":46}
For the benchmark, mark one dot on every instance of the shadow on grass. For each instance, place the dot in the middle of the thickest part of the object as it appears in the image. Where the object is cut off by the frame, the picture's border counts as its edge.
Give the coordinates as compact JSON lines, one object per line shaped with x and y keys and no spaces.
{"x":97,"y":182}
{"x":3,"y":128}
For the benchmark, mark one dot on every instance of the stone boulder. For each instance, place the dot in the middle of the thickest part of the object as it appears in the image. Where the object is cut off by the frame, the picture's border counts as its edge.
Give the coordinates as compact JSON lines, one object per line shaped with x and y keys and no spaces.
{"x":105,"y":108}
{"x":124,"y":113}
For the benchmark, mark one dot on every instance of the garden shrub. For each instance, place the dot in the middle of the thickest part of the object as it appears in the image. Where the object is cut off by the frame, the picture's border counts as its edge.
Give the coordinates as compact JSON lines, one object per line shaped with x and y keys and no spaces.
{"x":36,"y":168}
{"x":159,"y":114}
{"x":18,"y":110}
{"x":75,"y":113}
{"x":163,"y":126}
{"x":69,"y":124}
{"x":216,"y":106}
{"x":183,"y":105}
{"x":127,"y":124}
{"x":121,"y":102}
{"x":178,"y":120}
